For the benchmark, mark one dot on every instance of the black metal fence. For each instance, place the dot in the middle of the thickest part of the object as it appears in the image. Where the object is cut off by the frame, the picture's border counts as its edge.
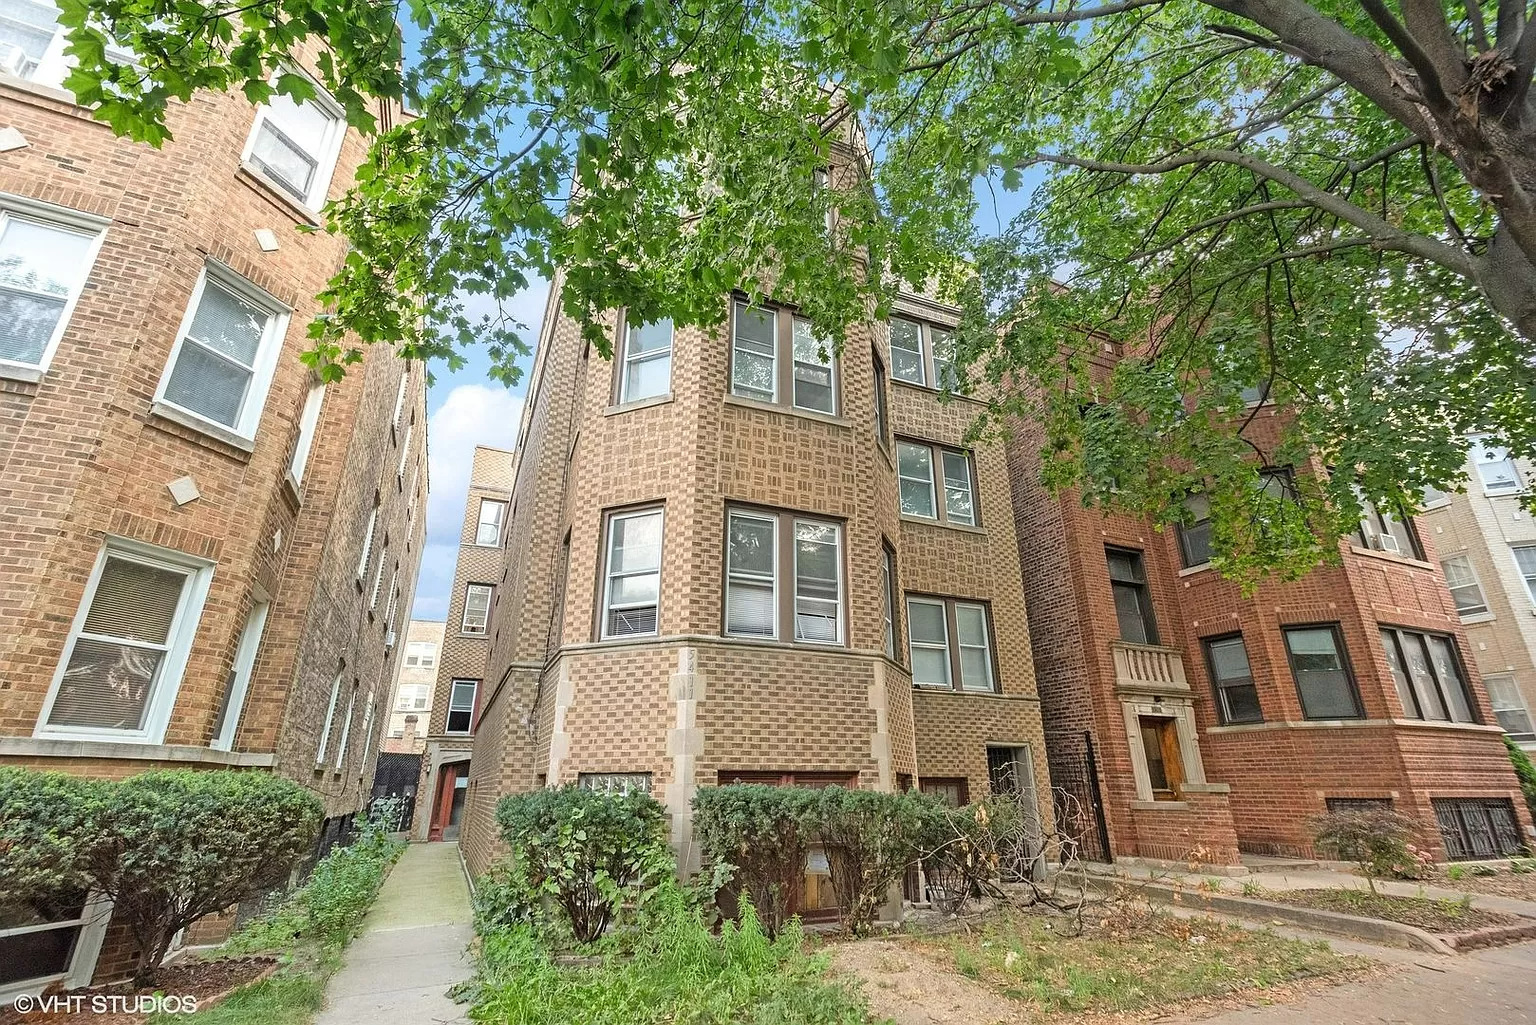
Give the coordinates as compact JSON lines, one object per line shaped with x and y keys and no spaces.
{"x":1078,"y":799}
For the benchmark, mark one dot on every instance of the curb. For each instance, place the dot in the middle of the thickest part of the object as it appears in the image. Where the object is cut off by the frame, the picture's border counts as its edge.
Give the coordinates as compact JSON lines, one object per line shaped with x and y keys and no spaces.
{"x":1493,"y":936}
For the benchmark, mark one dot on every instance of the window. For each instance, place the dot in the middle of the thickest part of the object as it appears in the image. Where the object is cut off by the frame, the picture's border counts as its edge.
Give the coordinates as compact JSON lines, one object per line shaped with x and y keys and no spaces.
{"x":378,"y":576}
{"x":123,"y":660}
{"x":923,"y":353}
{"x":1323,"y":680}
{"x":32,"y":43}
{"x":477,"y":609}
{"x":950,"y":644}
{"x":1525,"y":563}
{"x":1237,"y":698}
{"x":49,"y":937}
{"x":1133,"y":603}
{"x":420,"y":655}
{"x":1383,"y":531}
{"x":405,"y":380}
{"x":646,"y":369}
{"x":1165,"y":763}
{"x":755,"y":563}
{"x":346,"y":730}
{"x":632,"y":581}
{"x":1478,"y":828}
{"x":1495,"y":468}
{"x":1428,"y":675}
{"x":776,"y":358}
{"x":225,"y":352}
{"x":915,"y":464}
{"x":394,"y":601}
{"x":405,"y":454}
{"x":1195,"y":538}
{"x":461,"y":706}
{"x":309,"y":419}
{"x":488,"y":530}
{"x":43,"y":268}
{"x":373,"y":522}
{"x":882,"y":411}
{"x":953,"y":791}
{"x":413,"y":697}
{"x":1466,"y":592}
{"x":294,"y":146}
{"x":1509,"y":706}
{"x":330,"y":717}
{"x":239,"y":678}
{"x":1347,"y":805}
{"x":888,"y":597}
{"x":615,"y":782}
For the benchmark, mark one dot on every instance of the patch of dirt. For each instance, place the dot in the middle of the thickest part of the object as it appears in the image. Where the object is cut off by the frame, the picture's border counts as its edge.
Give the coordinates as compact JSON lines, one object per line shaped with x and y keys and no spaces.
{"x":117,"y":1004}
{"x":910,"y":988}
{"x":1438,"y":916}
{"x":1521,"y":886}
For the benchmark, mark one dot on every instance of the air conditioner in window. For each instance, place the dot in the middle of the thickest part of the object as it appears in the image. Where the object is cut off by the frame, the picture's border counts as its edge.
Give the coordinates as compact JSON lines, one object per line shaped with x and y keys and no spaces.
{"x":1385,"y":543}
{"x":389,"y":639}
{"x":14,"y":60}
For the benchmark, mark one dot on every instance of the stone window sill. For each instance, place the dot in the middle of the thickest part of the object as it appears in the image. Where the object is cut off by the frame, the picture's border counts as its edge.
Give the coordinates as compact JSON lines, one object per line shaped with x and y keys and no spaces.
{"x":1401,"y":560}
{"x":14,"y":372}
{"x":252,"y":176}
{"x":942,"y":524}
{"x":203,"y":431}
{"x":787,"y":410}
{"x":57,"y":747}
{"x":646,"y":403}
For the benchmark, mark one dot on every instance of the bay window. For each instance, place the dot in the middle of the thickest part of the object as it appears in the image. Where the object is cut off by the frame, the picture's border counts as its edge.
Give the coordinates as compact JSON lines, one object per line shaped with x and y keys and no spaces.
{"x":1323,"y":680}
{"x":1427,"y":672}
{"x":46,"y":254}
{"x":632,"y":577}
{"x":916,"y":465}
{"x":777,"y":359}
{"x":787,"y":592}
{"x":950,"y":644}
{"x":923,"y":353}
{"x":646,"y":364}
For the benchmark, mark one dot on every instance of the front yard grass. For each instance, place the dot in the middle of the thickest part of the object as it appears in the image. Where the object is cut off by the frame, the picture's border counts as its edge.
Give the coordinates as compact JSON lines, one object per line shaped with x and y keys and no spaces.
{"x":1130,"y":960}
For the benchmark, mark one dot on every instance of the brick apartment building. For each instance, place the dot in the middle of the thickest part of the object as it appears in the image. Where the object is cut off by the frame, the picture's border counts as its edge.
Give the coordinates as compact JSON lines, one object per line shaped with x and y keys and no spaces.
{"x":466,"y":642}
{"x":205,"y":551}
{"x":1487,"y":545}
{"x":732,"y":556}
{"x":1222,"y":724}
{"x":415,"y":681}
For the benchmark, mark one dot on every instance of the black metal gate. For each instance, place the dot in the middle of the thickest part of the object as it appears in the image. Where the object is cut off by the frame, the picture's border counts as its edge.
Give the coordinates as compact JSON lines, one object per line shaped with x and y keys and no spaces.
{"x":1077,"y":798}
{"x":1478,"y":828}
{"x":398,"y":775}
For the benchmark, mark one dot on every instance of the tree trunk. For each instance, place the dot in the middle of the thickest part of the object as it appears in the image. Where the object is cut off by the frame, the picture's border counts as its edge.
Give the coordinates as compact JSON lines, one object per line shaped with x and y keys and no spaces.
{"x":1508,"y":281}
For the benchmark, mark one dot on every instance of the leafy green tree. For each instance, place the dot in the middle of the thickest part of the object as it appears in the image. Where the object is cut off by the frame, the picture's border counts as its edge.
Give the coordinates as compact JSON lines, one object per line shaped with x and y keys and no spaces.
{"x":1329,"y":204}
{"x":1525,"y":770}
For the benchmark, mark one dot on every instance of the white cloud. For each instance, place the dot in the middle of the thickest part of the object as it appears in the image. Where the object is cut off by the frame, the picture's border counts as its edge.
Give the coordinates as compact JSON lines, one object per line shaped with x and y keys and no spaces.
{"x":472,"y":414}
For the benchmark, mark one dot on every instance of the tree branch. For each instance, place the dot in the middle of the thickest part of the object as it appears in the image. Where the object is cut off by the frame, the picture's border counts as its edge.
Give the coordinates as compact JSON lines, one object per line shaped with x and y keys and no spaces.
{"x":1429,"y":78}
{"x":1381,"y":231}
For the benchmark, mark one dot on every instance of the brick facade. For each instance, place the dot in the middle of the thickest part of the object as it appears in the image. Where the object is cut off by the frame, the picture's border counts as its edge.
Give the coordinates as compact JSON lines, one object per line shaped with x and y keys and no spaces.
{"x":408,"y":717}
{"x":689,"y":705}
{"x":1256,"y":785}
{"x":87,"y":457}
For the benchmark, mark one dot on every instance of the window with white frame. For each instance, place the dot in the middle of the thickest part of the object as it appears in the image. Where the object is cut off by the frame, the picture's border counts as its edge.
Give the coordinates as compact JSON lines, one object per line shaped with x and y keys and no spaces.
{"x":46,"y":254}
{"x":420,"y":655}
{"x":488,"y":527}
{"x":916,"y":463}
{"x":373,"y":522}
{"x":32,"y":43}
{"x":477,"y":609}
{"x":810,"y":608}
{"x":461,"y":706}
{"x":615,"y":782}
{"x":222,"y":362}
{"x":1509,"y":706}
{"x":413,"y":697}
{"x":950,"y":644}
{"x":777,"y":358}
{"x":240,"y":678}
{"x":888,"y":597}
{"x":294,"y":145}
{"x":923,"y":353}
{"x":1466,"y":592}
{"x":51,"y":937}
{"x":1525,"y":562}
{"x":1495,"y":468}
{"x":309,"y":420}
{"x":123,"y":660}
{"x":632,"y":574}
{"x":645,"y":371}
{"x":346,"y":730}
{"x":405,"y":454}
{"x":330,"y":717}
{"x":378,"y":575}
{"x":405,"y":380}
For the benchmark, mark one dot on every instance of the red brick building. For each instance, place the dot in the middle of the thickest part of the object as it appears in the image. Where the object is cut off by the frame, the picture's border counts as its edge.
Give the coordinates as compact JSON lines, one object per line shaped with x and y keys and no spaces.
{"x":1221,"y":724}
{"x":206,"y":552}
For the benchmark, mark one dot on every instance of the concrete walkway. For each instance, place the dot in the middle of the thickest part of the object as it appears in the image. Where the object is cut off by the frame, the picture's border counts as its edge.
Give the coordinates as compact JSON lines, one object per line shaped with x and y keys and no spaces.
{"x":412,"y":949}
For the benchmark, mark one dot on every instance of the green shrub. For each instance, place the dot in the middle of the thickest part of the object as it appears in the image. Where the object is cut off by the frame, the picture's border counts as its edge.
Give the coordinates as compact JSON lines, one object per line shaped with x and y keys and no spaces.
{"x":174,"y":846}
{"x":961,"y":847}
{"x":46,"y":829}
{"x":502,"y":899}
{"x":870,"y":838}
{"x":586,"y":850}
{"x":759,"y":832}
{"x":1525,"y":770}
{"x":1378,"y":842}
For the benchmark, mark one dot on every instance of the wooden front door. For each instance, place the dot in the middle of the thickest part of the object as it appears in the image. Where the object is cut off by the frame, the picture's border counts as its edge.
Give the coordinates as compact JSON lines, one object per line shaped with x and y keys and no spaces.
{"x":446,"y":800}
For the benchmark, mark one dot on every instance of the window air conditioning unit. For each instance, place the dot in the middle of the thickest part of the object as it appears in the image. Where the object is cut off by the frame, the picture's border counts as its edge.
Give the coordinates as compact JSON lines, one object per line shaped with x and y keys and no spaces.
{"x":14,"y":60}
{"x":389,"y":640}
{"x":1386,"y":543}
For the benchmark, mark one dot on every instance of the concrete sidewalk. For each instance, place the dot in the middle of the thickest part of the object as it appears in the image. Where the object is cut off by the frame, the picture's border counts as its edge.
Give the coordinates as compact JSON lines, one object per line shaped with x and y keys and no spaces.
{"x":412,"y":949}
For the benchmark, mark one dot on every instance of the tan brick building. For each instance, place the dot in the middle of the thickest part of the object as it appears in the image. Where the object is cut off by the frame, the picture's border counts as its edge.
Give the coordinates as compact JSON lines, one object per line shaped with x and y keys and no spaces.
{"x":415,"y":682}
{"x":1486,"y":541}
{"x":1222,"y":723}
{"x":725,"y":556}
{"x":478,"y":575}
{"x":206,"y":553}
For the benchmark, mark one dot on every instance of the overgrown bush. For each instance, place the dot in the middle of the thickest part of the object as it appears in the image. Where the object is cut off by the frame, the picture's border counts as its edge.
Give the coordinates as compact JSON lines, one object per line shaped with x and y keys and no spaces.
{"x":46,"y":827}
{"x":870,"y":838}
{"x":676,"y":972}
{"x":586,"y":850}
{"x":759,"y":832}
{"x":1525,"y":770}
{"x":1379,"y":842}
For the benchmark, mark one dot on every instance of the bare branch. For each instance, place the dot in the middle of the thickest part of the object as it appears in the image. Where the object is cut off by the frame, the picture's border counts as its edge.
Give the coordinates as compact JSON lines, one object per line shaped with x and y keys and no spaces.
{"x":1429,"y":78}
